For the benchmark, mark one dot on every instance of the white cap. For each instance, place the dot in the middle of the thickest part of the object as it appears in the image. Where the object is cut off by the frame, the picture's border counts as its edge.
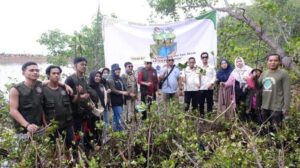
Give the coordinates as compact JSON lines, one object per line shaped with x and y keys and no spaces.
{"x":147,"y":59}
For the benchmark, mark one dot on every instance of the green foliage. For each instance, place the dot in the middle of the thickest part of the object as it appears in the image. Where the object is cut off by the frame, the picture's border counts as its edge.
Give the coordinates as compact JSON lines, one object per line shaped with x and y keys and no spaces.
{"x":242,"y":42}
{"x":56,"y":41}
{"x":279,"y":19}
{"x":88,"y":42}
{"x":169,"y":138}
{"x":4,"y":115}
{"x":182,"y":66}
{"x":172,"y":138}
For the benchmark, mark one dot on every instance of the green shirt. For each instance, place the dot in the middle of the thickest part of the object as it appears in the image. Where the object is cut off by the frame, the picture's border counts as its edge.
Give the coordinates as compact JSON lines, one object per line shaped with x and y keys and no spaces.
{"x":276,"y":93}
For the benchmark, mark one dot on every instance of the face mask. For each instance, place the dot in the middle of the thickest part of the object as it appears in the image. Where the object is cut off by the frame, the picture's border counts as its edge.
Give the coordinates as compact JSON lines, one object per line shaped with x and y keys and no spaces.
{"x":105,"y":76}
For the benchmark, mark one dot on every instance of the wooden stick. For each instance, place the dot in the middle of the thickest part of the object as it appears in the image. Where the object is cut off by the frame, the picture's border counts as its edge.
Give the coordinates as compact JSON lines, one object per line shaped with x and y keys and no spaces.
{"x":211,"y":121}
{"x":121,"y":153}
{"x":148,"y":151}
{"x":253,"y":148}
{"x":59,"y":152}
{"x":185,"y":152}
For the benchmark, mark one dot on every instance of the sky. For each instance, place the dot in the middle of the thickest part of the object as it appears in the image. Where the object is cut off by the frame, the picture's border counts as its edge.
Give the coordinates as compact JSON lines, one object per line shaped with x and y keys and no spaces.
{"x":23,"y":21}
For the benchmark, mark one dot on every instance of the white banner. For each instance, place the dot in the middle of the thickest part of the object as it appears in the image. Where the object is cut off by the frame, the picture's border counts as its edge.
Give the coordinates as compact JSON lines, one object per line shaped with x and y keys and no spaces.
{"x":124,"y":41}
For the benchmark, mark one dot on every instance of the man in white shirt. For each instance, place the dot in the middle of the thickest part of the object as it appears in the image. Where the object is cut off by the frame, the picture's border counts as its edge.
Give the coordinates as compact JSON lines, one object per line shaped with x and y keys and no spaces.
{"x":207,"y":80}
{"x":191,"y":82}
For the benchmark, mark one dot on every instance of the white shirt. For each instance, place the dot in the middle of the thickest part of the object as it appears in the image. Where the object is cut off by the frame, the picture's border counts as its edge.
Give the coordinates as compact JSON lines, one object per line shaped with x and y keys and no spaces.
{"x":207,"y":79}
{"x":192,"y":79}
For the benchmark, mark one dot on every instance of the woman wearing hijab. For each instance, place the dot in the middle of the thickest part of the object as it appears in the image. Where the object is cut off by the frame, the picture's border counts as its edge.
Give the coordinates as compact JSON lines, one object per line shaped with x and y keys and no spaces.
{"x":98,"y":87}
{"x":104,"y":78}
{"x":224,"y":97}
{"x":238,"y":80}
{"x":117,"y":96}
{"x":104,"y":82}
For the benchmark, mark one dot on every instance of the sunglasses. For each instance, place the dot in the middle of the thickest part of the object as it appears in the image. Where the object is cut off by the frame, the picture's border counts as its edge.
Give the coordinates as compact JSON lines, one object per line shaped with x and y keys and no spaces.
{"x":204,"y":57}
{"x":130,"y":66}
{"x":170,"y":60}
{"x":149,"y":63}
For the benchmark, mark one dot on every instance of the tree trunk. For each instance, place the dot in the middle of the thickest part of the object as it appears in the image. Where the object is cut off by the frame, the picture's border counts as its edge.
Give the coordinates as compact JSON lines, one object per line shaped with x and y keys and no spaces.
{"x":286,"y":61}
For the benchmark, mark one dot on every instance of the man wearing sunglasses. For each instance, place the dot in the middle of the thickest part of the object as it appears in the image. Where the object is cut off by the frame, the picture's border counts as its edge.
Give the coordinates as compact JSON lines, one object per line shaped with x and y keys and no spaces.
{"x":170,"y":78}
{"x":207,"y":80}
{"x":131,"y":87}
{"x":148,"y":81}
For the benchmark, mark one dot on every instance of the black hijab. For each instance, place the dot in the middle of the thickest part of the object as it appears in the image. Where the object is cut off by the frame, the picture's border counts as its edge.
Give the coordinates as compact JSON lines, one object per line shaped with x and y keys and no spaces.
{"x":223,"y":74}
{"x":97,"y":86}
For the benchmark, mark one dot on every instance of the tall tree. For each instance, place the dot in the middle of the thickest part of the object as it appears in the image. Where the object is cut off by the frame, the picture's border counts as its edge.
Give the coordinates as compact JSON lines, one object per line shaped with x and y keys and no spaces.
{"x":87,"y":42}
{"x":238,"y":12}
{"x":57,"y":44}
{"x":98,"y":41}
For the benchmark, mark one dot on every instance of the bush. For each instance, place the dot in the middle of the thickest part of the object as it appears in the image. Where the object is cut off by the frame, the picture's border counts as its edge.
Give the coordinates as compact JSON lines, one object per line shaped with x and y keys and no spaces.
{"x":168,"y":138}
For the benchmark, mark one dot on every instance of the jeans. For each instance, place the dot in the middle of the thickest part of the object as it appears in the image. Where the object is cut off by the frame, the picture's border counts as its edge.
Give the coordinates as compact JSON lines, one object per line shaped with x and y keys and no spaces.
{"x":117,"y":118}
{"x":106,"y":117}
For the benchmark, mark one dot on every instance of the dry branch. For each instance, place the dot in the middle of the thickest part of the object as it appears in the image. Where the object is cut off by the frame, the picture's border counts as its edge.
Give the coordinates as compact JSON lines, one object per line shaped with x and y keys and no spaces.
{"x":186,"y":153}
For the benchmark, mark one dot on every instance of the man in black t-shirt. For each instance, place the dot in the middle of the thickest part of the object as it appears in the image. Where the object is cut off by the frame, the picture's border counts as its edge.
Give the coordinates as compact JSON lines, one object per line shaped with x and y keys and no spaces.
{"x":81,"y":98}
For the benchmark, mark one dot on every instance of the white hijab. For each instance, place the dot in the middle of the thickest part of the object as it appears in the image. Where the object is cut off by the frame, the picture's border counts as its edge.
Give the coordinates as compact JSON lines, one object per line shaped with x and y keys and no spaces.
{"x":240,"y":74}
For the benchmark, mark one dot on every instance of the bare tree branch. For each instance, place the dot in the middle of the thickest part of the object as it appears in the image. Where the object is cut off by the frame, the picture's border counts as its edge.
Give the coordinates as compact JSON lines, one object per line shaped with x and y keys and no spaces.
{"x":185,"y":152}
{"x":287,"y":62}
{"x":253,"y":147}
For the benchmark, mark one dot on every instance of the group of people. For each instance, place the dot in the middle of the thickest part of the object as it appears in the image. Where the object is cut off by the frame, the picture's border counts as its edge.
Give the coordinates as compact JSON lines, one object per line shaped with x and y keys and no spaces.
{"x":254,"y":94}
